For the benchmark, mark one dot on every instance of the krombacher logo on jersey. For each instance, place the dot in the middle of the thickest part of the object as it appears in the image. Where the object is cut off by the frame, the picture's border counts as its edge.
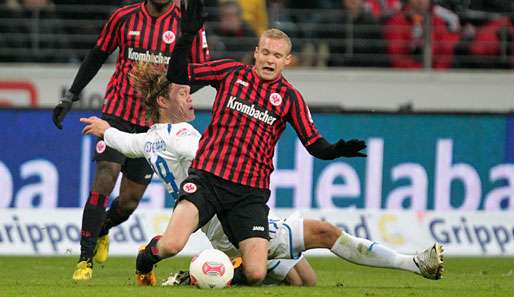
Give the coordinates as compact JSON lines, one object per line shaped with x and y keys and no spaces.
{"x":251,"y":110}
{"x":147,"y":56}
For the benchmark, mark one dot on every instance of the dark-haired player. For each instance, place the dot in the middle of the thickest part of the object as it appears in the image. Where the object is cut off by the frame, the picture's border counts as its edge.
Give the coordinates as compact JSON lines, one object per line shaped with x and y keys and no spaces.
{"x":146,"y":31}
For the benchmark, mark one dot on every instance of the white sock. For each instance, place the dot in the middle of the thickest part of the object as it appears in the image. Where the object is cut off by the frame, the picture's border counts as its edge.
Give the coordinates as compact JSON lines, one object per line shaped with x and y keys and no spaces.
{"x":364,"y":252}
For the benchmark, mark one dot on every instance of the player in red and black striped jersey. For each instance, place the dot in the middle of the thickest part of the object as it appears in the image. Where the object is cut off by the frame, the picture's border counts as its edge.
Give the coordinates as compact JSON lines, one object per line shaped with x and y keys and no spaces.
{"x":230,"y":174}
{"x":146,"y":31}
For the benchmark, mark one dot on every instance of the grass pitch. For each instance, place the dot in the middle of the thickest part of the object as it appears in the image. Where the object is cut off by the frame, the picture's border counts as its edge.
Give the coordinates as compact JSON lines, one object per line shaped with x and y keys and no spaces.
{"x":51,"y":276}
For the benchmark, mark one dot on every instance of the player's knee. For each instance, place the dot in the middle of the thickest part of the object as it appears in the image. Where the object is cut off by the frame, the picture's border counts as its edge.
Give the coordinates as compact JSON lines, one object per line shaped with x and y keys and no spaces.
{"x":105,"y":176}
{"x":254,"y":275}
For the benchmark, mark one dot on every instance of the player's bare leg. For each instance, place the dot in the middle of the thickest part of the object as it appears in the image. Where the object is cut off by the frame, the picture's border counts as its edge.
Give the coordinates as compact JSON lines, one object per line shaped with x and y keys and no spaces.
{"x":317,"y":234}
{"x":120,"y":210}
{"x":94,"y":215}
{"x":254,"y":253}
{"x":183,"y":222}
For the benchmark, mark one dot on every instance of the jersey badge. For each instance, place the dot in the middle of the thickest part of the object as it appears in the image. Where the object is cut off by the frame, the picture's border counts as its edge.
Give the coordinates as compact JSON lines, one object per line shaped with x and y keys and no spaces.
{"x":168,"y":37}
{"x":183,"y":132}
{"x":242,"y":82}
{"x":189,"y":188}
{"x":275,"y":99}
{"x":100,"y":146}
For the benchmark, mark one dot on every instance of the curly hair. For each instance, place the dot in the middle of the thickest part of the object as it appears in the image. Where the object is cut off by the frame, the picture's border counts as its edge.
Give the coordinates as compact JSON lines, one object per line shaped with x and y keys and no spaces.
{"x":150,"y":81}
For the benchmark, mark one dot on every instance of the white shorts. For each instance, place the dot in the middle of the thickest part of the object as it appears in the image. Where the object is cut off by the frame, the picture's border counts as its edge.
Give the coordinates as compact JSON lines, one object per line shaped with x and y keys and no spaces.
{"x":286,"y":237}
{"x":278,"y":270}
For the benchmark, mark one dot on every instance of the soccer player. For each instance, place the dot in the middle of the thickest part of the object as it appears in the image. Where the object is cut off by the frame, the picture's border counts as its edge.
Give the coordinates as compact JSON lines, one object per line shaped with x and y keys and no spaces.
{"x":144,"y":31}
{"x":230,"y":174}
{"x":171,"y":144}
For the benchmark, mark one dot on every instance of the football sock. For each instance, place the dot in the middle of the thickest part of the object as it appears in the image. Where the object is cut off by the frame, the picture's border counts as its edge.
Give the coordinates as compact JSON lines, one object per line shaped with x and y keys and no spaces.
{"x":148,"y":257}
{"x":364,"y":252}
{"x":92,"y":219}
{"x":115,"y":216}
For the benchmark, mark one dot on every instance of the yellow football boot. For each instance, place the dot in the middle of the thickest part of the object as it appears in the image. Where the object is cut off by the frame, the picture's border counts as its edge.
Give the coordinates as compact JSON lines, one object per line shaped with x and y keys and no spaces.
{"x":84,"y":271}
{"x":102,"y":249}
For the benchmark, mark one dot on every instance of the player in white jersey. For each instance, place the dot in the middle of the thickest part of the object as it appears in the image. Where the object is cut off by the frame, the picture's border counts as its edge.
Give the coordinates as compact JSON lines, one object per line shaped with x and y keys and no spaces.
{"x":170,"y":146}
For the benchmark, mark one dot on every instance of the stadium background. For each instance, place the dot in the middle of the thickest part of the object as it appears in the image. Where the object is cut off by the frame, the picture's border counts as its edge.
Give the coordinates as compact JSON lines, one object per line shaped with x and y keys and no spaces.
{"x":440,"y":141}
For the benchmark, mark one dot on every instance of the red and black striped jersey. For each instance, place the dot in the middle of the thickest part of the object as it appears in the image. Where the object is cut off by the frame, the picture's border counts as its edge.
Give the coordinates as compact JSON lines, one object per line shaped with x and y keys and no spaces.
{"x":248,"y":117}
{"x":140,"y":37}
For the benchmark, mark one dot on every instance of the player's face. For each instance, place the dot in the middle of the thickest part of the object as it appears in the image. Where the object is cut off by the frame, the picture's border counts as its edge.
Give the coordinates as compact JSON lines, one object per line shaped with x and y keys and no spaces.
{"x":181,"y":103}
{"x":271,"y":56}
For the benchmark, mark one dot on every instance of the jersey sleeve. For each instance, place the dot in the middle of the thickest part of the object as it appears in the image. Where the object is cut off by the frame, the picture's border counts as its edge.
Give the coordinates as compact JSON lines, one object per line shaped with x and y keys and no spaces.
{"x":131,"y":145}
{"x":200,"y":48}
{"x":213,"y":71}
{"x":108,"y":39}
{"x":300,"y":118}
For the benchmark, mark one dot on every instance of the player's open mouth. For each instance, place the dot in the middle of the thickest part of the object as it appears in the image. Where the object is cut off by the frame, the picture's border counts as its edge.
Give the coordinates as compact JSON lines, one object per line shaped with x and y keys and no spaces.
{"x":269,"y":69}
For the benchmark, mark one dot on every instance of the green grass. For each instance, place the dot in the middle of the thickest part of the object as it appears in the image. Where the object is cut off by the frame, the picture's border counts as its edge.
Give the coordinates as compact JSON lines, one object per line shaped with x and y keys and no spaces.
{"x":51,"y":276}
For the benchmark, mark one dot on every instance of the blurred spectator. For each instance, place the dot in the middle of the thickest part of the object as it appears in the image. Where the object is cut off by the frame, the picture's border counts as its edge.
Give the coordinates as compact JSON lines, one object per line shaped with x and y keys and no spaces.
{"x":405,"y":36}
{"x":450,"y":17}
{"x":34,"y":33}
{"x":354,"y":37}
{"x":255,"y":14}
{"x":232,"y":37}
{"x":493,"y":45}
{"x":382,"y":9}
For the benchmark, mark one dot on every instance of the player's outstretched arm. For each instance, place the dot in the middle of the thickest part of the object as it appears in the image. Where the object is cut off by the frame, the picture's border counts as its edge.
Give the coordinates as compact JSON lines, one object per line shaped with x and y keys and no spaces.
{"x":94,"y":126}
{"x":324,"y":150}
{"x":192,"y":20}
{"x":131,"y":145}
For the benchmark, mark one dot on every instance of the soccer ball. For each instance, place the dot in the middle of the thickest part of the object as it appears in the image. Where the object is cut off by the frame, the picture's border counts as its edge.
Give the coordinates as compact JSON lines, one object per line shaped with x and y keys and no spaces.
{"x":211,"y":269}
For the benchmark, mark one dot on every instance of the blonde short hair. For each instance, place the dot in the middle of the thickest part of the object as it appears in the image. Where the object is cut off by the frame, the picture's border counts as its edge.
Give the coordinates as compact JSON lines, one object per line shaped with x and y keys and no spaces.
{"x":277,"y":34}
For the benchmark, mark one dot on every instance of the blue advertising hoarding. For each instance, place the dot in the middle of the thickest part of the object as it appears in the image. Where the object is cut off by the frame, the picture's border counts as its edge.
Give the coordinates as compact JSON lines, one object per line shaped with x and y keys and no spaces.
{"x":417,"y":162}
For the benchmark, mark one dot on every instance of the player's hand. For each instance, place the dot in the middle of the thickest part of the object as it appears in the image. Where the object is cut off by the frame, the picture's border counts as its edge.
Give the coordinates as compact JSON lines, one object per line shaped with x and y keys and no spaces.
{"x":351,"y":148}
{"x":62,"y":108}
{"x":94,"y":126}
{"x":193,"y":17}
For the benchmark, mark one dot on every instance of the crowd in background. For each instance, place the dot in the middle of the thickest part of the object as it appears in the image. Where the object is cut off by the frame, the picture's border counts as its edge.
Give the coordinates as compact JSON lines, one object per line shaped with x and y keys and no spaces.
{"x":352,"y":33}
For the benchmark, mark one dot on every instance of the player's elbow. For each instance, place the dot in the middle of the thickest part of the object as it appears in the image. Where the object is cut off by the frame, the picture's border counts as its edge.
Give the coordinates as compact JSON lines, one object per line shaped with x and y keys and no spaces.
{"x":310,"y":282}
{"x":302,"y":281}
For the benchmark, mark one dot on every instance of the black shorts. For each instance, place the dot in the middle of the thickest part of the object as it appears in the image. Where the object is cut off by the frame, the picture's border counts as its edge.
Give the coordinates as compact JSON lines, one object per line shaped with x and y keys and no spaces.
{"x":137,"y":170}
{"x":241,"y":209}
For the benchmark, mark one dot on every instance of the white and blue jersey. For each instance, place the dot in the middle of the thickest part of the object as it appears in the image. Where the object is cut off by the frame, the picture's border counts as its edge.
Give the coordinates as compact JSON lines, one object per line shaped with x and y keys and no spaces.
{"x":168,"y":148}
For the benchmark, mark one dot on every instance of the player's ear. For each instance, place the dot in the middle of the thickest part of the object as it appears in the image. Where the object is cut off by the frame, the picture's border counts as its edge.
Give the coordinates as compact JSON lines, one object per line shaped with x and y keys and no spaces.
{"x":162,"y":102}
{"x":289,"y":58}
{"x":256,"y":52}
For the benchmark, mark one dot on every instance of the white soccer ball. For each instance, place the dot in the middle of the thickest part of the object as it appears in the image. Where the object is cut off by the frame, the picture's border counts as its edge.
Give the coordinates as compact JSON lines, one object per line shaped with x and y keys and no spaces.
{"x":211,"y":269}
